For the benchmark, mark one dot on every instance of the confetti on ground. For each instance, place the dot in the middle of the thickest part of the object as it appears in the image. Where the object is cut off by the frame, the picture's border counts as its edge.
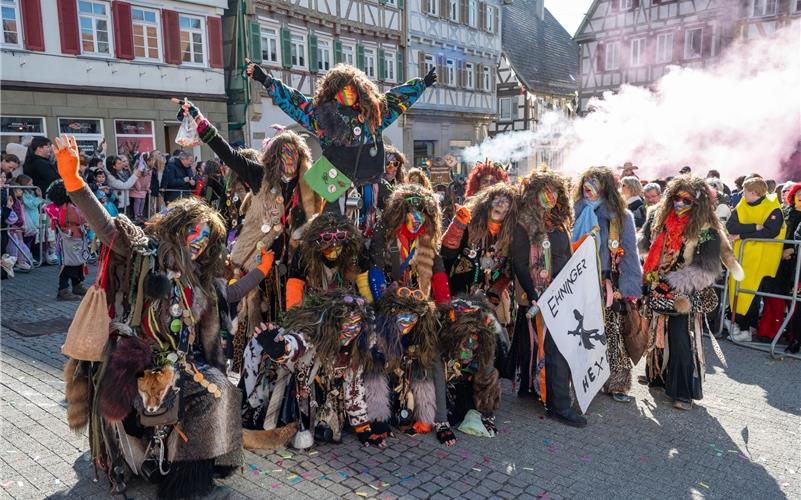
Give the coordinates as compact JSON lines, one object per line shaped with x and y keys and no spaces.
{"x":544,"y":495}
{"x":312,"y":453}
{"x":486,"y":459}
{"x":373,"y":487}
{"x":361,"y":493}
{"x":307,"y":475}
{"x":703,"y":485}
{"x":372,"y":462}
{"x":528,"y":468}
{"x":551,"y":448}
{"x":442,"y":454}
{"x":286,"y":455}
{"x":275,"y":486}
{"x":343,"y":474}
{"x":255,"y":472}
{"x":277,"y":470}
{"x":466,"y":454}
{"x":406,"y":478}
{"x":586,"y":459}
{"x":8,"y":483}
{"x":507,"y":421}
{"x":252,"y":466}
{"x":323,"y":477}
{"x":476,"y":469}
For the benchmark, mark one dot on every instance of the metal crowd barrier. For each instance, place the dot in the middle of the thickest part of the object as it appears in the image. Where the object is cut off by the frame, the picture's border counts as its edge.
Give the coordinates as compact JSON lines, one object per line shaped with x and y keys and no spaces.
{"x":41,"y":223}
{"x":795,"y":299}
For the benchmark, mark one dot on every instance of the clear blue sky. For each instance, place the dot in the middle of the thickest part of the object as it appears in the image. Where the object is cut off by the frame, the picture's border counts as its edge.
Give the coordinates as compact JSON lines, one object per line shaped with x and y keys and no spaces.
{"x":568,"y":12}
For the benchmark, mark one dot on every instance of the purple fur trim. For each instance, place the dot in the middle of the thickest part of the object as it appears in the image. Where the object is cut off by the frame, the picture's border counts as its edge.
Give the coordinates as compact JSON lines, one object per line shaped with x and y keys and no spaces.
{"x":690,"y":279}
{"x":376,"y":395}
{"x":425,"y":401}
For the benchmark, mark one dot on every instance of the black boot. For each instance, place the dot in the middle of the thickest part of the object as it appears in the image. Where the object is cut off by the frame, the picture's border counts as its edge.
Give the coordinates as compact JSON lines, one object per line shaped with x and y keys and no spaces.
{"x":188,"y":479}
{"x":568,"y":417}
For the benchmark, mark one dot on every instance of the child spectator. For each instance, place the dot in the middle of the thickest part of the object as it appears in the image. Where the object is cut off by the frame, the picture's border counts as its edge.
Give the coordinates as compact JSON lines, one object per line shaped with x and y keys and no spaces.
{"x":73,"y":248}
{"x":141,"y":187}
{"x":105,"y":195}
{"x":32,"y":203}
{"x":15,"y":223}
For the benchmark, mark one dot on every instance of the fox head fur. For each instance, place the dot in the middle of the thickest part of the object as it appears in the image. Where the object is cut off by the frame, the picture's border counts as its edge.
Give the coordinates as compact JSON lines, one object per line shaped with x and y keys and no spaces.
{"x":154,"y":385}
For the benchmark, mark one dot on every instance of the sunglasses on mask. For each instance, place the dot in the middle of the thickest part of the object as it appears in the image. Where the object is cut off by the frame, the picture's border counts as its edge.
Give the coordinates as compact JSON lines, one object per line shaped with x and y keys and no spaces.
{"x":350,"y":299}
{"x":328,"y":236}
{"x":404,"y":292}
{"x":416,"y":202}
{"x":685,"y":199}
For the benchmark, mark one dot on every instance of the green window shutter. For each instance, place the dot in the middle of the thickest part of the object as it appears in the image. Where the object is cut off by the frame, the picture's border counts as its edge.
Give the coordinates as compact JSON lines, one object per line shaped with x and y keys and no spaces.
{"x":382,"y":65}
{"x":360,"y":56}
{"x":255,"y":42}
{"x":286,"y":48}
{"x":401,"y":67}
{"x":312,"y":42}
{"x":400,"y":4}
{"x":337,"y":51}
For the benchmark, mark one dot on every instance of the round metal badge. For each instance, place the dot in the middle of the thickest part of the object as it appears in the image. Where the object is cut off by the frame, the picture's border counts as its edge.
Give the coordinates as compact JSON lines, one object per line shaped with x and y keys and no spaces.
{"x":357,"y":131}
{"x":332,"y":173}
{"x":265,"y":228}
{"x":331,"y":188}
{"x":176,"y":311}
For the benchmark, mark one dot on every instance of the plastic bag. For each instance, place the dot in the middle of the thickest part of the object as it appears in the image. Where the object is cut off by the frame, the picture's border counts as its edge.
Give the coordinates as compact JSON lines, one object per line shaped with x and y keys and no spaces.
{"x":473,"y":425}
{"x":187,"y":135}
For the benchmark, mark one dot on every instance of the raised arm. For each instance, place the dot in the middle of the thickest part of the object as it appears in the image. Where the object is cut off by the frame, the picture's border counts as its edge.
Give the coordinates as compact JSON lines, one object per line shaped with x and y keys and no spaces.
{"x":291,"y":101}
{"x":402,"y":97}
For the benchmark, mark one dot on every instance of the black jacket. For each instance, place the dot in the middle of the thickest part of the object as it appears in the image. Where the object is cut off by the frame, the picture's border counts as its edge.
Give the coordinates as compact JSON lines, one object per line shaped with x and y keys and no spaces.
{"x":41,"y":170}
{"x":173,"y":178}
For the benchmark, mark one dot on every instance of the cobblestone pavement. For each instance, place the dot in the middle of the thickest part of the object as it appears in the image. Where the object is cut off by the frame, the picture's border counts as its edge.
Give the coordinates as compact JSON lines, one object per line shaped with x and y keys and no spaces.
{"x":742,"y":441}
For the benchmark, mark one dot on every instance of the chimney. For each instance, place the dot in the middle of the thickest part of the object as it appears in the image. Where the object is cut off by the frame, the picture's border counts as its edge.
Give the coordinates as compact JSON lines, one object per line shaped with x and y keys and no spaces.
{"x":539,"y":9}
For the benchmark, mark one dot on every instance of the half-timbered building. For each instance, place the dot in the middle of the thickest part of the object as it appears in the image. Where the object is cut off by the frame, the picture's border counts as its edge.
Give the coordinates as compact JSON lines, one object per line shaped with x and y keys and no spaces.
{"x":760,"y":18}
{"x":462,"y":39}
{"x":537,"y":74}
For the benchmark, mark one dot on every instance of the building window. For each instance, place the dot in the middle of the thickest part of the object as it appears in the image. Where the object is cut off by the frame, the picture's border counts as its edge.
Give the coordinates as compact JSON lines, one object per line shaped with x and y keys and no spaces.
{"x":145,"y":33}
{"x":472,"y":13}
{"x":765,"y":8}
{"x":134,"y":136}
{"x":22,"y":125}
{"x":93,"y":20}
{"x":433,"y":8}
{"x":489,"y":17}
{"x":505,"y":106}
{"x":429,"y":62}
{"x":797,"y":6}
{"x":298,"y":43}
{"x":390,"y":65}
{"x":269,"y":46}
{"x":323,"y":55}
{"x":88,"y":132}
{"x":192,"y":39}
{"x":348,"y":56}
{"x":612,"y":61}
{"x":664,"y":47}
{"x":10,"y":10}
{"x":450,"y":70}
{"x":628,"y":4}
{"x":487,"y":84}
{"x":369,"y":62}
{"x":692,"y":43}
{"x":393,"y":3}
{"x":637,"y":51}
{"x":453,"y":10}
{"x":469,"y":76}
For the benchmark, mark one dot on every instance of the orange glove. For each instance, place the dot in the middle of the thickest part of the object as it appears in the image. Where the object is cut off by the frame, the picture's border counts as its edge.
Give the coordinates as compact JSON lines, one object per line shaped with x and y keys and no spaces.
{"x":294,"y":292}
{"x":265,"y":261}
{"x":463,"y":215}
{"x":68,"y":161}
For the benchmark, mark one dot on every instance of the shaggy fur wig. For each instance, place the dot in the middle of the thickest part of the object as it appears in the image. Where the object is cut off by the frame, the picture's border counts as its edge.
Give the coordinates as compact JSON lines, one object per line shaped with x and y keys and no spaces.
{"x":423,"y":335}
{"x":607,"y":189}
{"x":170,"y":230}
{"x":531,"y":212}
{"x":311,"y":254}
{"x":319,"y":319}
{"x":418,"y":176}
{"x":702,"y":212}
{"x":480,"y":206}
{"x":458,"y":326}
{"x":481,"y":170}
{"x":271,"y":158}
{"x":391,"y":153}
{"x":372,"y":102}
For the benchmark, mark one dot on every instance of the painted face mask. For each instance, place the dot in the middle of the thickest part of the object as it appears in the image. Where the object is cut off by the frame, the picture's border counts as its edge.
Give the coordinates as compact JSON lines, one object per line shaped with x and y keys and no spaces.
{"x":414,"y":220}
{"x":197,"y":239}
{"x":487,"y":181}
{"x":547,"y":198}
{"x":289,"y":162}
{"x":348,"y":95}
{"x":500,"y":208}
{"x":391,"y":168}
{"x":682,"y":203}
{"x":797,"y":200}
{"x":406,"y":322}
{"x":591,"y":190}
{"x":351,"y":327}
{"x":332,"y":253}
{"x":467,"y":348}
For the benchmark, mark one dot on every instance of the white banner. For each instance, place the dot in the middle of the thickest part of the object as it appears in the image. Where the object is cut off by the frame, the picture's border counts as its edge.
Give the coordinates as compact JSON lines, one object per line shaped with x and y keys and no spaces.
{"x":572,"y":310}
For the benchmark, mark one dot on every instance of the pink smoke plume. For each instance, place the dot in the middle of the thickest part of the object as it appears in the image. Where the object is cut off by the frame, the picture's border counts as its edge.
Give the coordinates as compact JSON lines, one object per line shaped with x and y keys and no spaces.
{"x":739,"y":116}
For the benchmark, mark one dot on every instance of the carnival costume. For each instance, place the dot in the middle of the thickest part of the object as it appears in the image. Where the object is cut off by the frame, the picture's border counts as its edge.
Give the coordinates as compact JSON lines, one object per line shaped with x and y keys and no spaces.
{"x":484,"y":175}
{"x":687,"y":244}
{"x":600,"y":209}
{"x":167,"y":300}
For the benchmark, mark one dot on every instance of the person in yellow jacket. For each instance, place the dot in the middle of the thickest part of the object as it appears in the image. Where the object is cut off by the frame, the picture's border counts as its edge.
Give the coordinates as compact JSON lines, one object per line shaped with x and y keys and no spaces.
{"x":757,"y":215}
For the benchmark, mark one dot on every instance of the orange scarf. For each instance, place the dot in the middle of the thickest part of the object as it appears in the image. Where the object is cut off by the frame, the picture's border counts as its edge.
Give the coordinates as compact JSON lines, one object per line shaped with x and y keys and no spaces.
{"x":671,"y":238}
{"x":494,"y":227}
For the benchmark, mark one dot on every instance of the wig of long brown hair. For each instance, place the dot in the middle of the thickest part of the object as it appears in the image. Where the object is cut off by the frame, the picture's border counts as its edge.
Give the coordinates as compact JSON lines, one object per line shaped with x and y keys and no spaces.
{"x":311,"y":255}
{"x":372,"y":102}
{"x":423,"y":335}
{"x":418,"y":176}
{"x":608,"y":190}
{"x":319,"y":319}
{"x":271,"y":158}
{"x":481,"y":170}
{"x":480,"y":206}
{"x":472,"y":314}
{"x":532,"y":215}
{"x":702,"y":211}
{"x":391,"y":153}
{"x":170,"y":230}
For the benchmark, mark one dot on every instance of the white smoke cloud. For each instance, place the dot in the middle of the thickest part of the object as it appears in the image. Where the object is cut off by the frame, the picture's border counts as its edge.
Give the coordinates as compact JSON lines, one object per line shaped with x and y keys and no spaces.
{"x":740,"y":116}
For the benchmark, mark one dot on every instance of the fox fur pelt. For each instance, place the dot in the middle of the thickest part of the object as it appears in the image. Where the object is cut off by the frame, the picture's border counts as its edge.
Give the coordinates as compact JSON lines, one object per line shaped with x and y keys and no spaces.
{"x":270,"y":439}
{"x":76,"y":392}
{"x":118,"y":389}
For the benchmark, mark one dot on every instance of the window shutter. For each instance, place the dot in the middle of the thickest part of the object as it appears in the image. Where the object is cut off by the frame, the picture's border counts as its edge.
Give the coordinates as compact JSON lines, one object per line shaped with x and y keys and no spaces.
{"x":426,"y":5}
{"x":286,"y":47}
{"x":482,"y":8}
{"x":33,"y":34}
{"x":400,"y":4}
{"x":463,"y":12}
{"x":615,"y":4}
{"x":599,"y":57}
{"x":706,"y":41}
{"x":635,"y":4}
{"x":337,"y":51}
{"x":479,"y":76}
{"x":421,"y":64}
{"x":444,"y":8}
{"x":495,"y":19}
{"x":214,"y":27}
{"x":460,"y":74}
{"x":360,"y":56}
{"x":440,"y":63}
{"x":123,"y":30}
{"x":68,"y":21}
{"x":382,"y":63}
{"x":255,"y":42}
{"x":678,"y":45}
{"x":401,"y":62}
{"x":172,"y":37}
{"x":312,"y":44}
